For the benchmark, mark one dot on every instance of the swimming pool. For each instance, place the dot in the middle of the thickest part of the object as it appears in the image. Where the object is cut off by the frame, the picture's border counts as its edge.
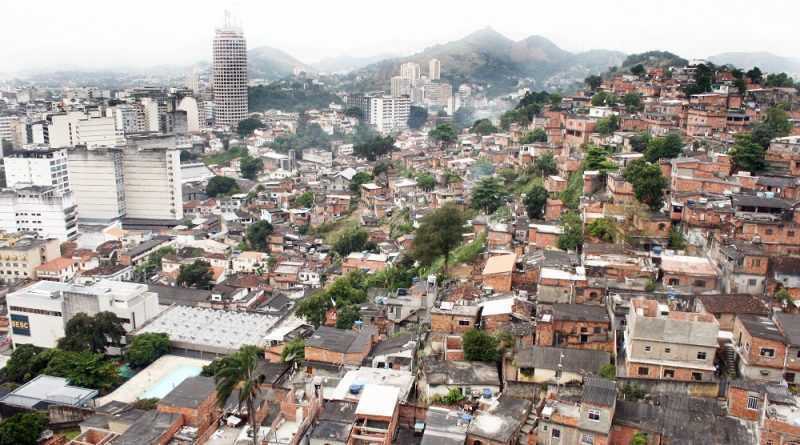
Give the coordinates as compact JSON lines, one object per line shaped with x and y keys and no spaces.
{"x":170,"y":381}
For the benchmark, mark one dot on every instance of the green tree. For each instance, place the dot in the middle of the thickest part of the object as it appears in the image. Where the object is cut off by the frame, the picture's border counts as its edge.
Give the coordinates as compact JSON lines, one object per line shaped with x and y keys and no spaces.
{"x":258,"y":235}
{"x":92,"y":333}
{"x":83,"y":368}
{"x":632,"y":102}
{"x":639,"y":438}
{"x":537,"y":135}
{"x":148,"y":404}
{"x":545,"y":165}
{"x":358,"y":180}
{"x":483,"y":127}
{"x":23,"y":428}
{"x":639,"y":142}
{"x":608,"y":371}
{"x":480,"y":346}
{"x":439,"y":233}
{"x":26,"y":362}
{"x":197,"y":274}
{"x":604,"y":229}
{"x":593,"y":82}
{"x":555,"y":100}
{"x":352,"y":240}
{"x":488,"y":195}
{"x":572,"y":231}
{"x":638,"y":70}
{"x":597,"y":158}
{"x":374,"y":148}
{"x":417,"y":116}
{"x":781,"y":80}
{"x":305,"y":200}
{"x":250,"y":167}
{"x":667,"y":147}
{"x":604,"y":98}
{"x":146,"y":348}
{"x":294,"y":351}
{"x":346,"y":316}
{"x":676,"y":239}
{"x":775,"y":124}
{"x":239,"y":375}
{"x":748,"y":155}
{"x":535,"y":202}
{"x":426,"y":181}
{"x":443,"y":134}
{"x":754,"y":74}
{"x":354,"y":112}
{"x":648,"y":183}
{"x":607,"y":125}
{"x":220,"y":186}
{"x":313,"y":308}
{"x":247,"y":126}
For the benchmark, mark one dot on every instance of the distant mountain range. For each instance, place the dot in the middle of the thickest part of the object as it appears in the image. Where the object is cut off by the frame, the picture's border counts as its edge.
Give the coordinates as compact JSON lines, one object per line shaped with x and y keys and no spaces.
{"x":765,"y":61}
{"x":265,"y":62}
{"x":490,"y":58}
{"x":345,"y":63}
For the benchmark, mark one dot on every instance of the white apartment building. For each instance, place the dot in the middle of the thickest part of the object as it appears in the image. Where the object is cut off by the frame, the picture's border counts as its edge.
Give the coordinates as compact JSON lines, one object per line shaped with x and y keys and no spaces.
{"x":434,"y":69}
{"x":400,"y":86}
{"x":129,"y":118}
{"x":38,"y":167}
{"x":39,"y":210}
{"x":139,"y":180}
{"x":388,"y":113}
{"x":410,"y":71}
{"x":39,"y":313}
{"x":11,"y":130}
{"x":78,"y":128}
{"x":229,"y":71}
{"x":438,"y":94}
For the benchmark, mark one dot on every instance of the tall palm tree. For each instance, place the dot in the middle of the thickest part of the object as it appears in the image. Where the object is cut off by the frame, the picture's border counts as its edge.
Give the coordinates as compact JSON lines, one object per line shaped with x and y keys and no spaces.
{"x":239,"y":371}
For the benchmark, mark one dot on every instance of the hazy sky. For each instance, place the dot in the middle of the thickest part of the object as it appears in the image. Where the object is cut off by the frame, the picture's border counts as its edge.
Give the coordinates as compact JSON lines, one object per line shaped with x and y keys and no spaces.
{"x":53,"y":34}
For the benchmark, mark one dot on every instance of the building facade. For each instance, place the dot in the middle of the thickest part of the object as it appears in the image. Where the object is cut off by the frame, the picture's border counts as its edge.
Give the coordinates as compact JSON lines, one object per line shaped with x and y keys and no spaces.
{"x":229,"y":70}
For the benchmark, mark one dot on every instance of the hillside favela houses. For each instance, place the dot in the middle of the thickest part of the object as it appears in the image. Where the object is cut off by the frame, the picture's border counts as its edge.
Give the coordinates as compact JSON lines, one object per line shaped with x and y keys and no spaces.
{"x":487,"y":242}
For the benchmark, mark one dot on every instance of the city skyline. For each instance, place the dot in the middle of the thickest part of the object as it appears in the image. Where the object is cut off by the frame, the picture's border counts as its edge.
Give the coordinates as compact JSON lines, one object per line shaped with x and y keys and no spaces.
{"x":172,"y":40}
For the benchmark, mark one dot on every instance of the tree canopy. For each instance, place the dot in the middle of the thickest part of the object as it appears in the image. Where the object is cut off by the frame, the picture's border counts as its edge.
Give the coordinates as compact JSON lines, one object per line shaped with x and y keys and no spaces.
{"x":375,"y":148}
{"x":572,"y":235}
{"x":258,"y":235}
{"x":535,"y":202}
{"x":84,"y":368}
{"x":666,"y":147}
{"x":417,"y":116}
{"x":488,"y":195}
{"x":648,"y":183}
{"x":483,"y":127}
{"x":247,"y":126}
{"x":480,"y":346}
{"x":250,"y":167}
{"x":775,"y":124}
{"x":748,"y":155}
{"x":537,"y":135}
{"x":23,"y":428}
{"x":197,"y":274}
{"x":443,"y":134}
{"x":353,"y":240}
{"x":593,"y":82}
{"x":146,"y":348}
{"x":438,"y":234}
{"x":221,"y":185}
{"x":545,"y":165}
{"x":426,"y":181}
{"x":92,"y":333}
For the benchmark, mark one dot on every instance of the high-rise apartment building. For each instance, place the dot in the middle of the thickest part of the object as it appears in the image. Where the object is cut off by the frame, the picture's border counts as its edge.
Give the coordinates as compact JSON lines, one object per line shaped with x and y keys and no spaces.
{"x":387,"y":113}
{"x":138,"y":180}
{"x":39,"y":210}
{"x":44,"y":168}
{"x":400,"y":86}
{"x":410,"y":71}
{"x":434,"y":69}
{"x":229,"y":72}
{"x":78,"y":128}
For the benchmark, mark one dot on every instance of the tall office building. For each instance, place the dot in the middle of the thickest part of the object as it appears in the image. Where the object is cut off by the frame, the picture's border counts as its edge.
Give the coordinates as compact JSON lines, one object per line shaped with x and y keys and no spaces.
{"x":434,"y":69}
{"x":230,"y":75}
